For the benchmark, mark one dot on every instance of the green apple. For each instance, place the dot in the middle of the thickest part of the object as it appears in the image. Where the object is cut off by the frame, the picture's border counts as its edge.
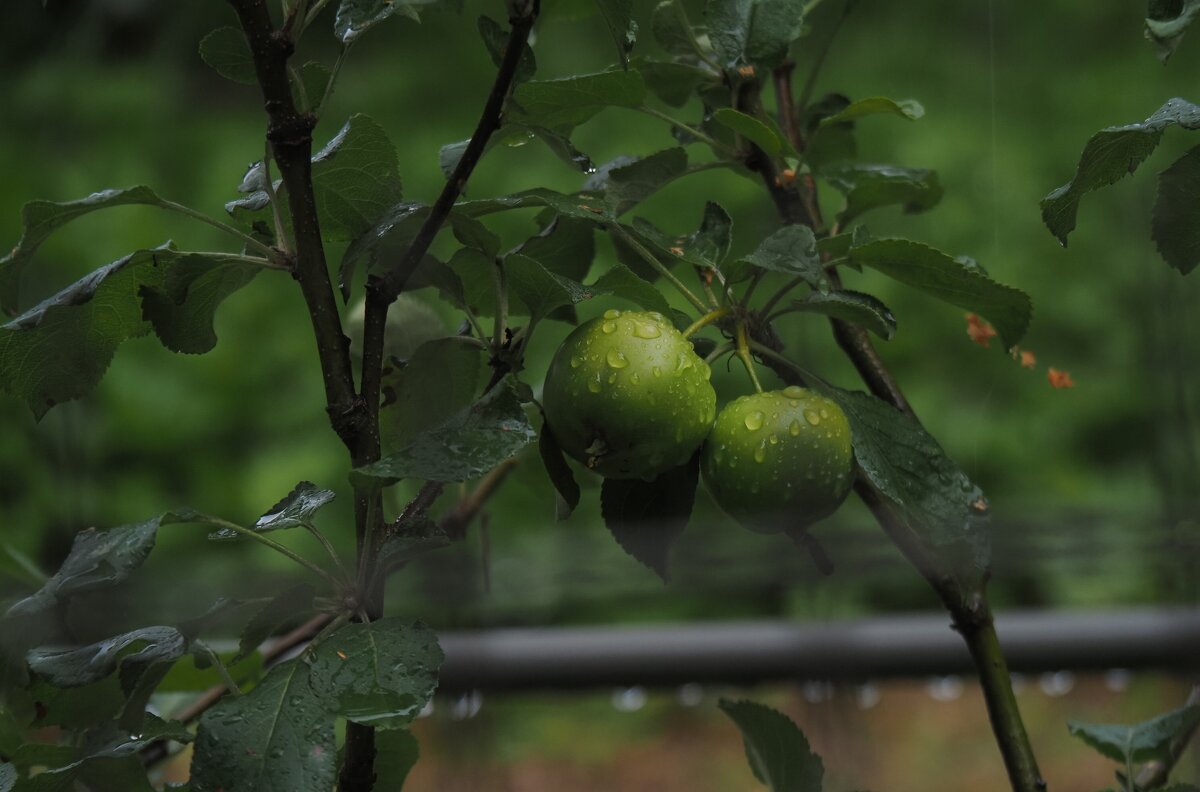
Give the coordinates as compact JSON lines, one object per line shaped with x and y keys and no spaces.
{"x":779,"y":460}
{"x":627,"y":395}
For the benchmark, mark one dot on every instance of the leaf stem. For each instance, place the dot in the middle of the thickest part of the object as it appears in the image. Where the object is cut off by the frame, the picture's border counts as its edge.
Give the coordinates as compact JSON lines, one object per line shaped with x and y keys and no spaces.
{"x":333,"y":75}
{"x":250,"y":241}
{"x":721,"y":349}
{"x":500,"y":282}
{"x":704,"y":321}
{"x":281,"y":237}
{"x":333,"y":555}
{"x":780,"y":294}
{"x":696,"y":133}
{"x":658,"y":267}
{"x":743,"y":352}
{"x":276,"y":546}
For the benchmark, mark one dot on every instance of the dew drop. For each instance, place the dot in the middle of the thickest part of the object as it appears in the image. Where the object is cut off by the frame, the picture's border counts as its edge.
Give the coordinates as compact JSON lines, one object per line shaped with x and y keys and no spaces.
{"x":612,"y":378}
{"x":794,"y":392}
{"x":616,"y":358}
{"x":774,"y":439}
{"x":754,"y":420}
{"x":657,"y":371}
{"x":594,"y":385}
{"x":646,"y":330}
{"x":576,"y":361}
{"x":824,"y":413}
{"x":760,"y":453}
{"x":794,"y":428}
{"x":611,"y":313}
{"x":684,"y":363}
{"x":812,"y":417}
{"x":634,"y":378}
{"x":609,"y":327}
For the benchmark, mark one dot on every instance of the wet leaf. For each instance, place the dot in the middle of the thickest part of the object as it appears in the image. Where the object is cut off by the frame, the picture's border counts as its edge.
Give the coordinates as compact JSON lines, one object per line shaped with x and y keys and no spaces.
{"x":1139,"y":742}
{"x":776,"y":749}
{"x":646,"y":517}
{"x":226,"y":51}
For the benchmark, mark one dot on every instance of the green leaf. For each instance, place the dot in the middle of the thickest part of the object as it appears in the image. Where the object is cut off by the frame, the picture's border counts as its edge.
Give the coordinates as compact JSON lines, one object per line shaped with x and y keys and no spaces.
{"x":1109,"y":156}
{"x":671,"y":30}
{"x":753,"y":32}
{"x":712,"y":239}
{"x":565,"y":247}
{"x":276,"y":737}
{"x":1167,"y":21}
{"x":8,"y":777}
{"x":620,"y":281}
{"x":750,"y":128}
{"x":469,"y":444}
{"x":396,"y":753}
{"x":495,"y":38}
{"x":20,"y":567}
{"x":200,"y":673}
{"x":312,"y":85}
{"x":226,"y":51}
{"x":417,"y":537}
{"x":580,"y":207}
{"x":282,"y":609}
{"x":852,"y":306}
{"x":910,"y":109}
{"x":1176,"y":225}
{"x":949,"y":279}
{"x":40,"y":219}
{"x":474,"y":234}
{"x":513,"y":135}
{"x":539,"y":290}
{"x":182,"y":307}
{"x":355,"y":17}
{"x":618,"y":15}
{"x":295,"y":509}
{"x":669,"y":250}
{"x":383,"y":243}
{"x":627,"y":181}
{"x":379,"y":674}
{"x":566,"y":489}
{"x":776,"y":749}
{"x":564,"y":104}
{"x":1139,"y":742}
{"x":441,"y":378}
{"x":931,"y":492}
{"x":871,"y":186}
{"x":646,"y":517}
{"x":791,"y":250}
{"x":87,"y":664}
{"x":838,"y":246}
{"x":356,"y":179}
{"x":671,"y":82}
{"x":98,"y":559}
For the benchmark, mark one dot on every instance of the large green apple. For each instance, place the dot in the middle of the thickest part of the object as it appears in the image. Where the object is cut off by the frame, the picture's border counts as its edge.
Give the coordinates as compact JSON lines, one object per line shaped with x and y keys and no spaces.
{"x":779,"y":460}
{"x":627,"y":395}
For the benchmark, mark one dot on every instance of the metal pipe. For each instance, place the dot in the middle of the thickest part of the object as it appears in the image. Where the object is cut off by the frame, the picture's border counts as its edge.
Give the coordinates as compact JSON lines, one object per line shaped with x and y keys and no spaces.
{"x":752,"y":652}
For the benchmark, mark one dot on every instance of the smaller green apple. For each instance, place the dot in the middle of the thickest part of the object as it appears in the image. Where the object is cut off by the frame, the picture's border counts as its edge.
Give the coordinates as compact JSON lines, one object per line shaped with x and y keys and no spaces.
{"x":779,"y":460}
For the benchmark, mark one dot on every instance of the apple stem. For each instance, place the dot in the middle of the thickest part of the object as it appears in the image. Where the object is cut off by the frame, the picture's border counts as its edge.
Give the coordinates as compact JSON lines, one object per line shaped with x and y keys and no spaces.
{"x":704,"y":321}
{"x":743,"y":352}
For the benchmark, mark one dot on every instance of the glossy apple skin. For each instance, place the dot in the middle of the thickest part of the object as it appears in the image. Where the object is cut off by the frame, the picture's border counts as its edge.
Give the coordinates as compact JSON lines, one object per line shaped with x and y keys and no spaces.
{"x":780,"y":460}
{"x":627,"y":396}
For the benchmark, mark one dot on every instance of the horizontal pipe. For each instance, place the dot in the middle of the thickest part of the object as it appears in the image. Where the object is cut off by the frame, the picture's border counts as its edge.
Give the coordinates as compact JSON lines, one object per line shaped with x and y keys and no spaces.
{"x":556,"y":658}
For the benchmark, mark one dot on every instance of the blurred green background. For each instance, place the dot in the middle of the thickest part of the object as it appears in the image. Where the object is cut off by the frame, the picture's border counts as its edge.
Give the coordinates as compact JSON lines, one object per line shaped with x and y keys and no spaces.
{"x":1094,"y":489}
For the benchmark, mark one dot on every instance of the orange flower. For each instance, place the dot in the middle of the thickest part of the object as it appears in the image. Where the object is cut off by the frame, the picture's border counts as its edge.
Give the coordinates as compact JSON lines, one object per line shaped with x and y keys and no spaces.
{"x":1060,"y":379}
{"x":746,"y":71}
{"x":979,"y":331}
{"x":1028,"y":359}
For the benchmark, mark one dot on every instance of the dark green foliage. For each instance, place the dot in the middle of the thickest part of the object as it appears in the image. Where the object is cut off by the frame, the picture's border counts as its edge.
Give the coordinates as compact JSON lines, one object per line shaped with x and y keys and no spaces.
{"x":852,"y":306}
{"x":646,"y":517}
{"x":776,"y":749}
{"x":1139,"y":742}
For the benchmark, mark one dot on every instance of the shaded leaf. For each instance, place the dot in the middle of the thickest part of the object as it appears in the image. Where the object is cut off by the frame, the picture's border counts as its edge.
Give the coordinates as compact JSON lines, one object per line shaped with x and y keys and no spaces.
{"x":752,"y":129}
{"x":383,"y":243}
{"x":792,"y":250}
{"x":182,"y":307}
{"x":83,"y":665}
{"x":948,"y":279}
{"x":1109,"y":156}
{"x":379,"y":674}
{"x":539,"y":290}
{"x":566,"y":489}
{"x":419,"y":536}
{"x":564,"y":104}
{"x":355,"y":17}
{"x":776,"y":749}
{"x":838,"y":246}
{"x":618,"y":16}
{"x":872,"y":105}
{"x":620,"y":281}
{"x":441,"y":378}
{"x":852,"y":306}
{"x":931,"y":492}
{"x":872,"y":186}
{"x":1176,"y":225}
{"x":294,"y":509}
{"x":565,"y":247}
{"x":673,"y":83}
{"x":469,"y":444}
{"x":282,"y":609}
{"x":712,"y":239}
{"x":40,"y":219}
{"x":397,"y":752}
{"x":227,"y":52}
{"x":1139,"y":742}
{"x":1167,"y":21}
{"x":276,"y":738}
{"x":495,"y":38}
{"x":671,"y":30}
{"x":626,"y":182}
{"x":313,"y":83}
{"x":8,"y":777}
{"x":753,"y":32}
{"x":646,"y":517}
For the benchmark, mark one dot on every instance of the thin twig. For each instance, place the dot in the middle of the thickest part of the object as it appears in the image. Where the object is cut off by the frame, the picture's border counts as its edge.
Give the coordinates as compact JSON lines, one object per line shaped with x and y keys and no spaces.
{"x":1155,"y":774}
{"x":658,"y":267}
{"x":278,"y":548}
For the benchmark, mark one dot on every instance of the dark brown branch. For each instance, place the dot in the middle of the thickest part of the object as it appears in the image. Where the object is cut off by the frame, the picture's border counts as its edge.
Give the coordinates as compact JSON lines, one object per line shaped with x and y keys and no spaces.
{"x":290,"y":134}
{"x":967,"y":605}
{"x":455,"y":523}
